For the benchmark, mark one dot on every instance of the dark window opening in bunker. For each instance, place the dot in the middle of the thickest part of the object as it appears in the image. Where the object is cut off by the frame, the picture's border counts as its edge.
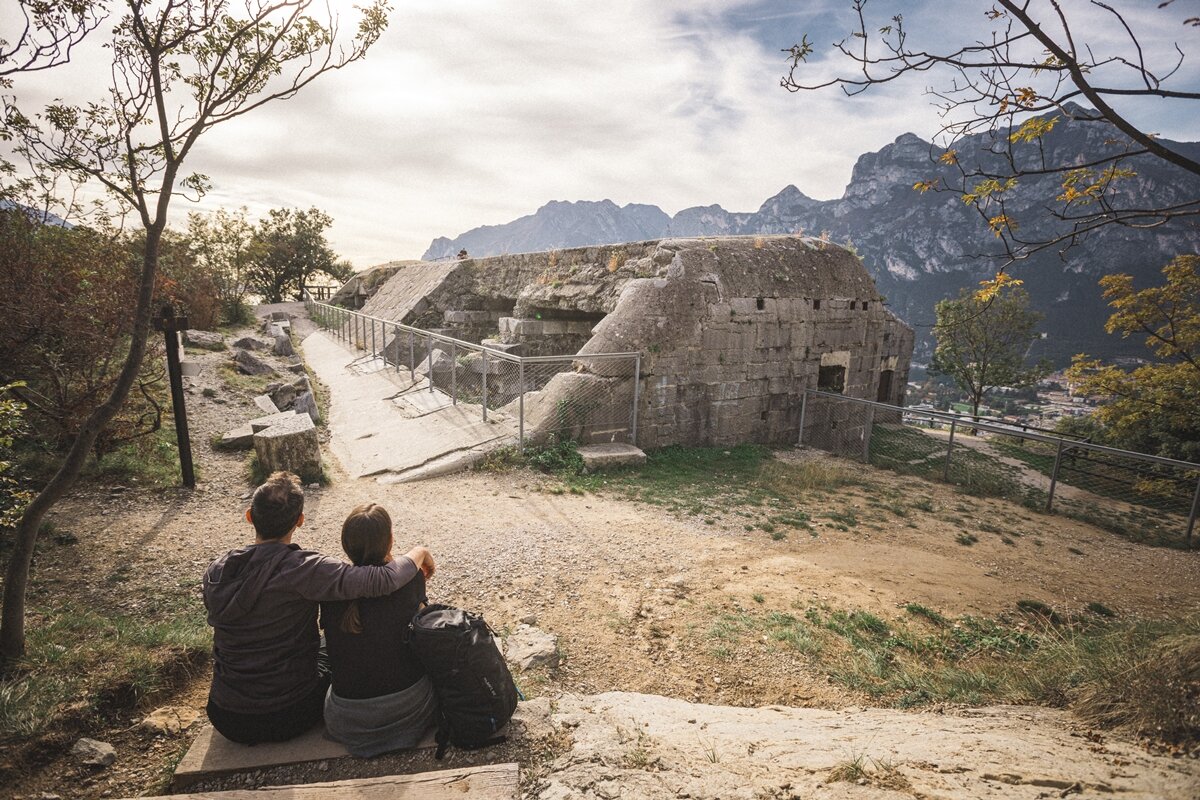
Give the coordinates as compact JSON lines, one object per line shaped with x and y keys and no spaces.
{"x":760,"y":304}
{"x":864,"y":305}
{"x":567,"y":314}
{"x":831,"y":379}
{"x":884,"y":395}
{"x":816,"y":305}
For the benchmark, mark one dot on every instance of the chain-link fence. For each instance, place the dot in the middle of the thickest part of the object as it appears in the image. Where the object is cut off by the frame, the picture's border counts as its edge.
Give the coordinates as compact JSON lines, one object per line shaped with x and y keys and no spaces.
{"x":1143,"y":497}
{"x":585,"y":398}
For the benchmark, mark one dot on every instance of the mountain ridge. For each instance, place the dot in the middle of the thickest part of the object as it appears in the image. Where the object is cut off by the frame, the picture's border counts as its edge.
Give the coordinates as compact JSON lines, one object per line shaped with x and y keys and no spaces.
{"x":920,"y":247}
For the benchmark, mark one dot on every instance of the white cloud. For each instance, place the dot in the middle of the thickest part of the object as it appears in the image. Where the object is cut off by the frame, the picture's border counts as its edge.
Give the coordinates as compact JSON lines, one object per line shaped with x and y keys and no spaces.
{"x":476,"y":112}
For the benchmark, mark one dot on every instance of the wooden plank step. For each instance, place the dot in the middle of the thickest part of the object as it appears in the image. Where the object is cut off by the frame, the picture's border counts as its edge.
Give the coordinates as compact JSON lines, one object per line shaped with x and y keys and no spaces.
{"x":486,"y":782}
{"x":212,"y":755}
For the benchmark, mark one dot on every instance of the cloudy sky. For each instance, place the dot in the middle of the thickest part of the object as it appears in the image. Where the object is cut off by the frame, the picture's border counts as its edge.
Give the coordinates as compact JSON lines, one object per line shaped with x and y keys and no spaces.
{"x":473,"y":112}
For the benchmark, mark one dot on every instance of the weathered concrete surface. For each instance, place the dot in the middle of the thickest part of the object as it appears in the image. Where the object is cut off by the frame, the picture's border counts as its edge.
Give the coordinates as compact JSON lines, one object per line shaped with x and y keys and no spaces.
{"x":291,"y":445}
{"x":732,"y":330}
{"x":611,"y":454}
{"x":645,"y":746}
{"x":381,"y":425}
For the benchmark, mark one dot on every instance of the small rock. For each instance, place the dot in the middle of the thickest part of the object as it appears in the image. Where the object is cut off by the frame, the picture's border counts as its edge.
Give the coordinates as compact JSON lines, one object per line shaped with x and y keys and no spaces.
{"x":250,"y":343}
{"x":528,"y":619}
{"x":530,"y":647}
{"x":93,"y":753}
{"x":297,"y":368}
{"x":169,"y":719}
{"x":306,"y":404}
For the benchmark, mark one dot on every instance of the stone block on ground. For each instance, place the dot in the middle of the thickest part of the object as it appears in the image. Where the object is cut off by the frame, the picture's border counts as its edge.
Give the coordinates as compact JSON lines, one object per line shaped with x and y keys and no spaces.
{"x":305,"y":403}
{"x":250,"y":364}
{"x":290,"y":445}
{"x":280,"y":316}
{"x":611,"y":454}
{"x":301,"y":385}
{"x":283,"y":345}
{"x":240,"y":438}
{"x":297,"y":367}
{"x":250,"y":343}
{"x":94,"y":753}
{"x":207,"y":340}
{"x":262,"y":423}
{"x":528,"y":647}
{"x":282,"y":396}
{"x":189,"y":368}
{"x":266,"y":404}
{"x":441,"y":362}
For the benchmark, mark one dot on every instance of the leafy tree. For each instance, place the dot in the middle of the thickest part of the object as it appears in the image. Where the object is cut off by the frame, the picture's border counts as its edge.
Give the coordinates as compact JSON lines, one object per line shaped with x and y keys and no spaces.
{"x":1154,"y":408}
{"x":222,"y":246}
{"x":1038,"y":58}
{"x":13,"y":496}
{"x":180,"y":67}
{"x":65,"y":328}
{"x":289,"y":248}
{"x":982,"y":343}
{"x":45,"y":35}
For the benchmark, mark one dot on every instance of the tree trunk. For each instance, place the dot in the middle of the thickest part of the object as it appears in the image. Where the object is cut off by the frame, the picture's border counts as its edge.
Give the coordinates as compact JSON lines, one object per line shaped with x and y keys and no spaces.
{"x":16,"y":579}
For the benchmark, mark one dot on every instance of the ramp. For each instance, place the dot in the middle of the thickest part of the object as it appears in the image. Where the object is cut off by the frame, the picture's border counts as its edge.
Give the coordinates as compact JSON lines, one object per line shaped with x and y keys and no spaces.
{"x":382,"y":425}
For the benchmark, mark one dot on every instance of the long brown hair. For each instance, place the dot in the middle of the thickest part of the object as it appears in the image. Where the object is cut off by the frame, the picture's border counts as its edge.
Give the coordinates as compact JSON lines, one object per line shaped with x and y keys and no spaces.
{"x":367,"y":540}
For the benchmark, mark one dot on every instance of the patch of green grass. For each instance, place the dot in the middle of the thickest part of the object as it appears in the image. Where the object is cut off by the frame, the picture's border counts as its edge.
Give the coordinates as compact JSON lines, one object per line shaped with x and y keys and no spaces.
{"x":1039,"y":609}
{"x":249,"y":385}
{"x":966,"y":539}
{"x":1101,"y":610}
{"x":924,"y":504}
{"x":847,"y":518}
{"x":918,"y":610}
{"x":758,"y":598}
{"x":81,"y":660}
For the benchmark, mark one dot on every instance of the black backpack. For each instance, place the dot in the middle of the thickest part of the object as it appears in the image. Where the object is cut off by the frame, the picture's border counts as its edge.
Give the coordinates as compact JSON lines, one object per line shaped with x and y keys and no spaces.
{"x":475,"y":691}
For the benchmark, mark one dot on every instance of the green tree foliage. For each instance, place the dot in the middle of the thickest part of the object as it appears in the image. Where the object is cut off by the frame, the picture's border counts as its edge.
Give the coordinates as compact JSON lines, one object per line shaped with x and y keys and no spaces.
{"x":223,"y":247}
{"x":1154,"y":408}
{"x":65,"y":331}
{"x":288,"y":250}
{"x":13,"y":496}
{"x":981,"y":343}
{"x":1044,"y":58}
{"x":180,"y":67}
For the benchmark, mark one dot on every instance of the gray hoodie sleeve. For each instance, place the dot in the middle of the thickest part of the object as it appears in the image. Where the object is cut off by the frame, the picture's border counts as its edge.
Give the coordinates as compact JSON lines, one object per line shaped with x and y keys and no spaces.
{"x":322,"y":578}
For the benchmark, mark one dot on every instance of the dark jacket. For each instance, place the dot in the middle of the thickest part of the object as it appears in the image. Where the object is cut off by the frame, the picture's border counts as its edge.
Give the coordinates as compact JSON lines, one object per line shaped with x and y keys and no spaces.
{"x":380,"y":660}
{"x":262,"y":604}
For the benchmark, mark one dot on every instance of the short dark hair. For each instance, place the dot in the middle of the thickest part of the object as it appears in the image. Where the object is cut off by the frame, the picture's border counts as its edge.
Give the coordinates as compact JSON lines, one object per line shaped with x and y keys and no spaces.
{"x":276,"y":505}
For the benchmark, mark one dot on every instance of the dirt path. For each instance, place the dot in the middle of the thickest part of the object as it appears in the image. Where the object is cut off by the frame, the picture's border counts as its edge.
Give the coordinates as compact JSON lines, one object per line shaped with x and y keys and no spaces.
{"x":629,"y":588}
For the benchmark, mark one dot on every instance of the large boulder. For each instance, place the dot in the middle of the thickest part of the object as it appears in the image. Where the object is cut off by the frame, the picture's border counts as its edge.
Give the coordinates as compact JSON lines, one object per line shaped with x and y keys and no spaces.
{"x":282,"y":396}
{"x":206,"y":340}
{"x":250,"y":343}
{"x":283,"y":345}
{"x":250,"y":364}
{"x":305,"y":403}
{"x":292,"y":445}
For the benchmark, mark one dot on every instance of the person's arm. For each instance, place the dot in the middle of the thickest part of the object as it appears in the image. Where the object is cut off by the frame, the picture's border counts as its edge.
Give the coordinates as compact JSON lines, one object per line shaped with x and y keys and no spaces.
{"x":323,"y":578}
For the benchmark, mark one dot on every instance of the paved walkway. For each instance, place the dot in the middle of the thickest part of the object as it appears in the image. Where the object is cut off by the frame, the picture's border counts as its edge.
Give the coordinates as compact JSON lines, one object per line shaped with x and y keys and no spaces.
{"x":384,"y":426}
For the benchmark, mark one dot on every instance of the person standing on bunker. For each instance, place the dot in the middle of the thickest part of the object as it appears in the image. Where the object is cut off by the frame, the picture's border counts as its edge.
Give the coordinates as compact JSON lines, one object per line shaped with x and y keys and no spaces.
{"x":270,"y":674}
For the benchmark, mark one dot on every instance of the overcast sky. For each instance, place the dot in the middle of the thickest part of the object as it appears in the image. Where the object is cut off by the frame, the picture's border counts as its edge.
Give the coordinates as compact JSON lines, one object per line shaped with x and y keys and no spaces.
{"x":473,"y":112}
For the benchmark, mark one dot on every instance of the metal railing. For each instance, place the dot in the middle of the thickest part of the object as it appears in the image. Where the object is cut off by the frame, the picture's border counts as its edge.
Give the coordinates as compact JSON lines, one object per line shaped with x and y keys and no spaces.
{"x":585,"y":398}
{"x":1145,"y":497}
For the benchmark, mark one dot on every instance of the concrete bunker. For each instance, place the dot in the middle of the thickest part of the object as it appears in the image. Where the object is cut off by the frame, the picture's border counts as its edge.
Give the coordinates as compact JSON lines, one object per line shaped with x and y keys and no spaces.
{"x":731,"y":330}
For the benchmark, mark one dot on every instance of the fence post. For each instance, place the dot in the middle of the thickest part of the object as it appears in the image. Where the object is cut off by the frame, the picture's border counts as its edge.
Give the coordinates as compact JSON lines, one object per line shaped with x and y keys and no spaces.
{"x":1192,"y":516}
{"x":342,"y":326}
{"x":867,"y":434}
{"x":429,"y":361}
{"x":949,"y":450}
{"x":453,"y":374}
{"x":1054,"y":476}
{"x":803,"y":410}
{"x":637,"y":391}
{"x":484,"y":376}
{"x":412,"y":358}
{"x":521,"y":403}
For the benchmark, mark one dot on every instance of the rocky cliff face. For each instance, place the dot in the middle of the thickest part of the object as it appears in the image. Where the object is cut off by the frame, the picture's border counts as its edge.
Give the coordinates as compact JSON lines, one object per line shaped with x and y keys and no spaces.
{"x":920,"y":247}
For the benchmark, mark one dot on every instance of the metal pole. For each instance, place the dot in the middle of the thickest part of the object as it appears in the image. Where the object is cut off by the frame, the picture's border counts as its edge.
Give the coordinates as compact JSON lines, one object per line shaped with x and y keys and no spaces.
{"x":374,"y":350}
{"x":1192,"y":516}
{"x":485,"y":376}
{"x":867,"y":434}
{"x":521,"y":403}
{"x":949,"y":449}
{"x":430,"y":347}
{"x":412,"y":358}
{"x":803,"y":409}
{"x":637,"y":391}
{"x":453,"y":374}
{"x":1054,"y":476}
{"x":395,"y":345}
{"x":170,"y":328}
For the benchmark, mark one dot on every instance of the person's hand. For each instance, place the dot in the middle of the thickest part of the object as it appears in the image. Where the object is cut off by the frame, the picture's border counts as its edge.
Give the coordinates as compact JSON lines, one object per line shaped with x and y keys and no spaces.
{"x":424,"y":561}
